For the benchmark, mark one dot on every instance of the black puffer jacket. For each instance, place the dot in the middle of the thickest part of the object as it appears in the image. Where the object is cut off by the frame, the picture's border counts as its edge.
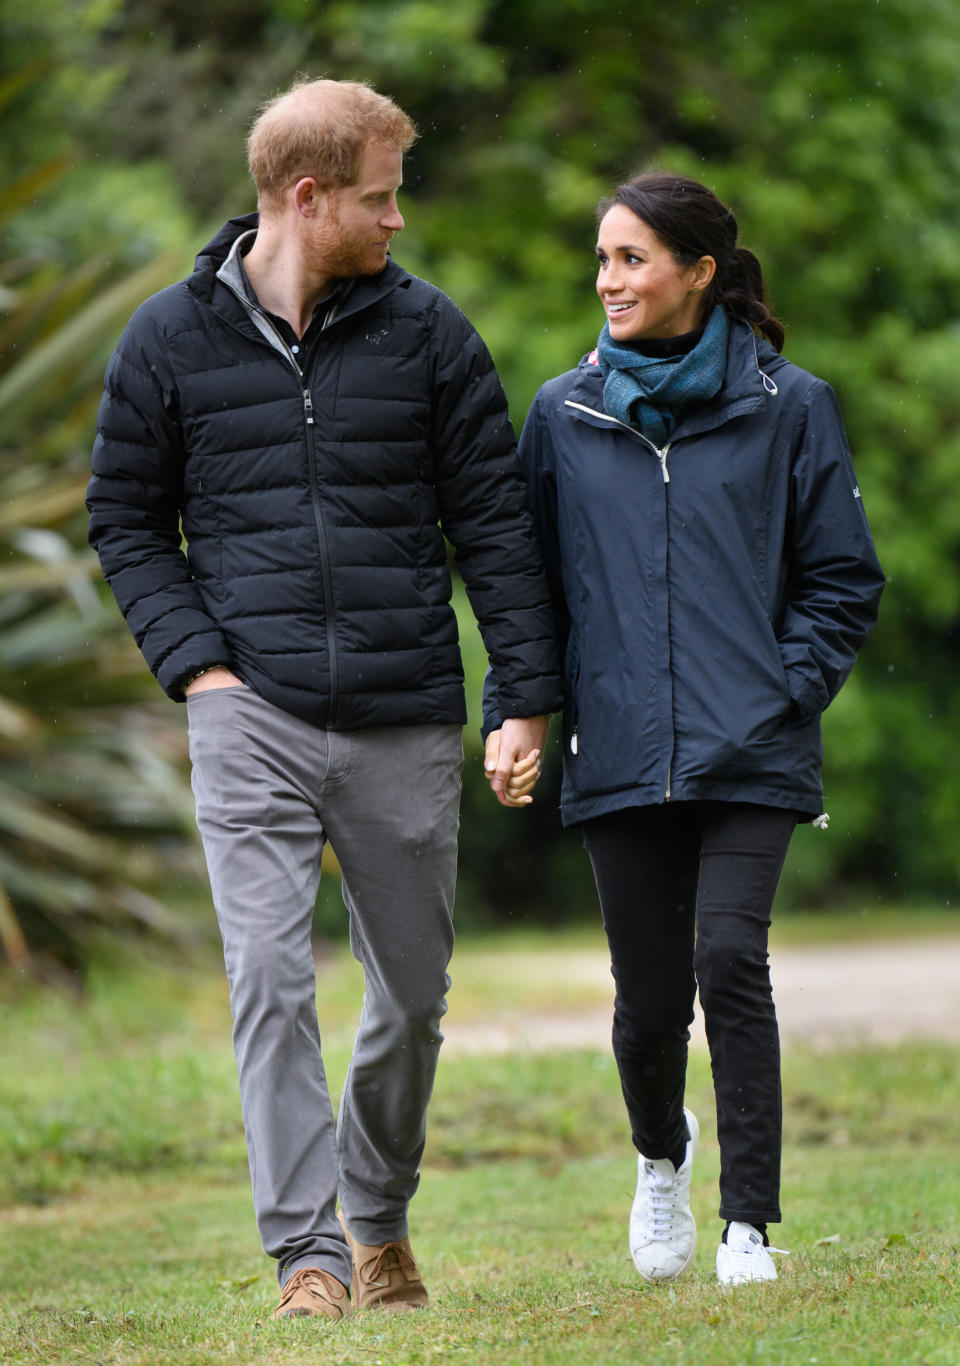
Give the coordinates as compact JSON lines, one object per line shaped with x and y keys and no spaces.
{"x":312,"y":504}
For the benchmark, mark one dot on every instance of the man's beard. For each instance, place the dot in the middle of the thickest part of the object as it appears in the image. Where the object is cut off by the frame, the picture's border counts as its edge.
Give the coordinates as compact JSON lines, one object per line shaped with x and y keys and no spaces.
{"x":333,"y":252}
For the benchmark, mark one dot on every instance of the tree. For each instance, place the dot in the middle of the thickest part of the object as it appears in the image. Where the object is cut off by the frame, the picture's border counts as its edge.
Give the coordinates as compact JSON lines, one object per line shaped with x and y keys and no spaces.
{"x":832,"y":129}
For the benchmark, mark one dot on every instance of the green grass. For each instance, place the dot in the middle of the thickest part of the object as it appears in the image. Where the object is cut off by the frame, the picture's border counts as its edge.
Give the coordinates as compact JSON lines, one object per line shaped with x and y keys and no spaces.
{"x":864,"y":923}
{"x":127,"y":1236}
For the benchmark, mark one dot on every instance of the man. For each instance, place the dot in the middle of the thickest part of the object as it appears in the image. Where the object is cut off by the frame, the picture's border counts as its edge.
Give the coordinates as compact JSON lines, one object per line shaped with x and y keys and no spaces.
{"x":312,"y":416}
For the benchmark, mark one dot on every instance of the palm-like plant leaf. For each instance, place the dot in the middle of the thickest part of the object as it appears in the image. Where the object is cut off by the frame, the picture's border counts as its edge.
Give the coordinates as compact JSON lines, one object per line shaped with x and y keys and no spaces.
{"x":90,"y":757}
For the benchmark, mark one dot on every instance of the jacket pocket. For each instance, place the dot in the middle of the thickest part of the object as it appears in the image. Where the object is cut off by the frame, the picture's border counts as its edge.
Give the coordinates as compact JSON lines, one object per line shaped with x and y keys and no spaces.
{"x":203,"y":532}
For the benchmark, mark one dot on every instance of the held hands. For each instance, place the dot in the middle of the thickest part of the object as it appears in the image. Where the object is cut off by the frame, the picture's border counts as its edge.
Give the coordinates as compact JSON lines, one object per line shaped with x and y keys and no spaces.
{"x":513,"y":757}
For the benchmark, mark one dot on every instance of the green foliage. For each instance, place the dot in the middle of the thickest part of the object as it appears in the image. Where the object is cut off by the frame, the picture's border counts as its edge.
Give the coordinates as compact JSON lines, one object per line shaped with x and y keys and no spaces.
{"x":82,"y":778}
{"x":833,"y":128}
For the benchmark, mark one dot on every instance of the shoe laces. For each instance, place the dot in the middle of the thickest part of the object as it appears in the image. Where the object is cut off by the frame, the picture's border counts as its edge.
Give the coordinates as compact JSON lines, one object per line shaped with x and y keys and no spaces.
{"x":746,"y":1254}
{"x":747,"y":1262}
{"x":661,"y":1203}
{"x":388,"y":1258}
{"x":315,"y":1282}
{"x":754,"y":1246}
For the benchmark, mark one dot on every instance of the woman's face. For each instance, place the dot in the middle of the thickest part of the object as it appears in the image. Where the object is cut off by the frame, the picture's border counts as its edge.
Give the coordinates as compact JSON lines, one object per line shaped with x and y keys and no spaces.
{"x":645,"y":291}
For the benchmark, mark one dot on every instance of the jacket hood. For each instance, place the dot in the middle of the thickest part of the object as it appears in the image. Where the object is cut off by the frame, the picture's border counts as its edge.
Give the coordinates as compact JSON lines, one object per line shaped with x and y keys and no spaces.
{"x":211,"y":257}
{"x":752,"y":364}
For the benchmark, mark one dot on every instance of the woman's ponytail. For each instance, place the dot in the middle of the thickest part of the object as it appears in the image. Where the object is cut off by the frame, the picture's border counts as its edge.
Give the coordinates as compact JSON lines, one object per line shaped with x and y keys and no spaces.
{"x":740,"y":288}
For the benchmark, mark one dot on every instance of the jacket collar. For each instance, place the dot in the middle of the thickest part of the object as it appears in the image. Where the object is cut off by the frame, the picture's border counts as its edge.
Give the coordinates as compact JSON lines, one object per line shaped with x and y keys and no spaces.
{"x":214,"y":264}
{"x":746,"y":387}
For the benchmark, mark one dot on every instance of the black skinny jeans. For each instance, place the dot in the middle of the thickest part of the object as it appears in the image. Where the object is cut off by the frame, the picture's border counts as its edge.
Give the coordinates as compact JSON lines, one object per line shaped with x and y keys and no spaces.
{"x":686,"y":891}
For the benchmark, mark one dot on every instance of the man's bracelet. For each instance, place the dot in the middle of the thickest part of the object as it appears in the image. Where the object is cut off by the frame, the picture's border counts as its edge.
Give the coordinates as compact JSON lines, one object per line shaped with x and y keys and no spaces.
{"x":208,"y":670}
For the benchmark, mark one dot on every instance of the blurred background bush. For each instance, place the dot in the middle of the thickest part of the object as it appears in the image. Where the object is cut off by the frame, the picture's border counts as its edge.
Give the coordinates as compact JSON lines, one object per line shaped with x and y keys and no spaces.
{"x":833,"y":128}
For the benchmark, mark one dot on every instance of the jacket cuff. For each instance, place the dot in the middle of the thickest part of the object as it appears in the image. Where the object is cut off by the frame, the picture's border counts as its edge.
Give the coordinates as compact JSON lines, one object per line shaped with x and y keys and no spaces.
{"x":807,"y":693}
{"x":173,"y":677}
{"x":492,"y":719}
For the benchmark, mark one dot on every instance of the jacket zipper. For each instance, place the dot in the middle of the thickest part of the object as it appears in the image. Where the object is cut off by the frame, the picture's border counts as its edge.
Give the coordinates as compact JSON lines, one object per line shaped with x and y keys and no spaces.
{"x":769,"y":385}
{"x":309,"y":428}
{"x":326,"y":576}
{"x":661,"y":455}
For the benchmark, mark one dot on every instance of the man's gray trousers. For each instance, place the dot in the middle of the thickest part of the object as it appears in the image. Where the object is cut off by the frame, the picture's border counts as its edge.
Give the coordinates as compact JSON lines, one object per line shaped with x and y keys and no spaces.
{"x":270,"y":790}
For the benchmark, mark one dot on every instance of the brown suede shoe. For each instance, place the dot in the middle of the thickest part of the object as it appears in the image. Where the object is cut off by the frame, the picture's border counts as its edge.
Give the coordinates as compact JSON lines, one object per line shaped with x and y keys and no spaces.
{"x":385,"y":1276}
{"x":312,"y":1293}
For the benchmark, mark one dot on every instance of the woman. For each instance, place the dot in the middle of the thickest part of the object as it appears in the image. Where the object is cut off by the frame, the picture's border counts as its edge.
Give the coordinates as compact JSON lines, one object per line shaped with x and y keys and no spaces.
{"x":713,"y":576}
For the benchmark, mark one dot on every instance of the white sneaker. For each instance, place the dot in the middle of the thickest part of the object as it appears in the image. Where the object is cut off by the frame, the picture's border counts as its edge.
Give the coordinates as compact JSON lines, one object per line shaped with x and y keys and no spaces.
{"x":743,"y":1257}
{"x":663,"y":1235}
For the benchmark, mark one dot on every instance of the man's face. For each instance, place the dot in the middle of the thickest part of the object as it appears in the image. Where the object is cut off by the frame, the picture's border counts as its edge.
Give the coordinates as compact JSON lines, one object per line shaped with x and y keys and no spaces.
{"x":356,"y":223}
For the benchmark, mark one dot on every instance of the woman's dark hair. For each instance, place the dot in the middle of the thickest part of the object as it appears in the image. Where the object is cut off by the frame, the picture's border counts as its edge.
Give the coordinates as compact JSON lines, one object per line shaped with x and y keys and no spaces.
{"x":690,"y":220}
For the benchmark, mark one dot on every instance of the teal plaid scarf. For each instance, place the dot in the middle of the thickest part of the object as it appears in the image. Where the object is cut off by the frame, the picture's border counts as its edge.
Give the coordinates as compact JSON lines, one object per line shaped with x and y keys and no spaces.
{"x":648,"y":393}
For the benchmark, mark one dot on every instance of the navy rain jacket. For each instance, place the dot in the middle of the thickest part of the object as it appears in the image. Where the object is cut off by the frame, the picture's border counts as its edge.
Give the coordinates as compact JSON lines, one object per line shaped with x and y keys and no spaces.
{"x":712,"y":595}
{"x":314,"y":505}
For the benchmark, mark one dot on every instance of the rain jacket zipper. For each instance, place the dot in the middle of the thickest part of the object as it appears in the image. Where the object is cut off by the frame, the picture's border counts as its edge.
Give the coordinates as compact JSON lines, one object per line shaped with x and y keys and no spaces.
{"x":661,"y":454}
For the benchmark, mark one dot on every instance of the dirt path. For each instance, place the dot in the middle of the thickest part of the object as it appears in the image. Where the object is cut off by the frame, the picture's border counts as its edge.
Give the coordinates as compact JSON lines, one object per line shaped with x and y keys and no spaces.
{"x":826,"y":996}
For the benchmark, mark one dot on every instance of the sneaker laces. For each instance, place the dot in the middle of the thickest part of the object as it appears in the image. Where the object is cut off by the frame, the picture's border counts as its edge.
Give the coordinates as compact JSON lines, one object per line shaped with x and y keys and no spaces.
{"x":662,"y":1193}
{"x":742,"y":1256}
{"x":749,"y":1252}
{"x":747,"y":1265}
